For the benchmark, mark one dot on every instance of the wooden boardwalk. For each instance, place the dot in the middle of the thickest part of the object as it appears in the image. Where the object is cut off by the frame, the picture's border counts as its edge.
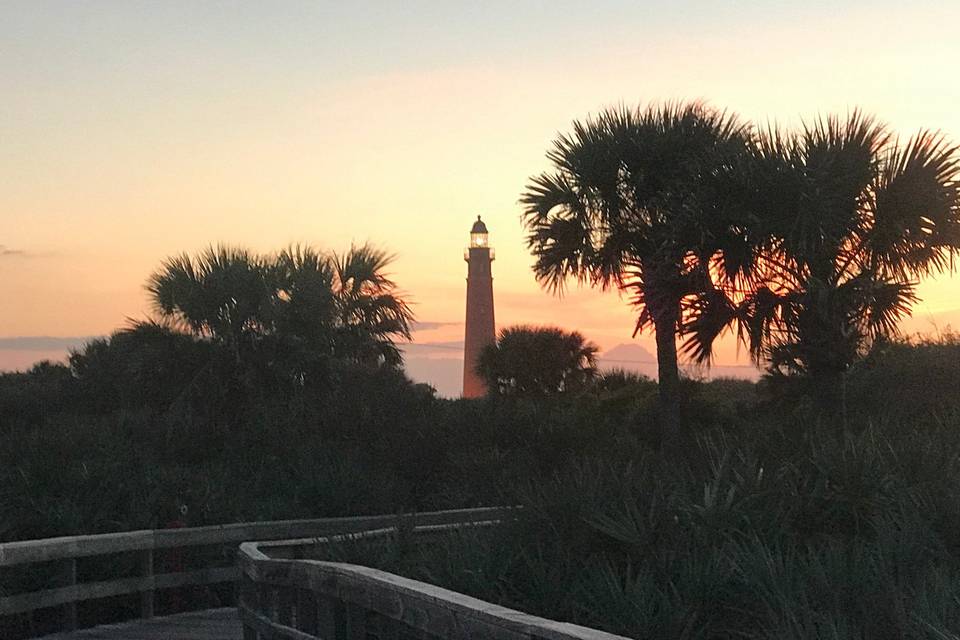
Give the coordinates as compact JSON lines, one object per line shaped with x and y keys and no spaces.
{"x":213,"y":624}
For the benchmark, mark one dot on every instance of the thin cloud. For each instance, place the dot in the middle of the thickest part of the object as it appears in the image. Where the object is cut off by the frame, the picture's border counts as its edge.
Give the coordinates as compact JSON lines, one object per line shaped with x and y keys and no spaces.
{"x":43,"y":343}
{"x":433,"y":348}
{"x":430,"y":326}
{"x":7,"y":252}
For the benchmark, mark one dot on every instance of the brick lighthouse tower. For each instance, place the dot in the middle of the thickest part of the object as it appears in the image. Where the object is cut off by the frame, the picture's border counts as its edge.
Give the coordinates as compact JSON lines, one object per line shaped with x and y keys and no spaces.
{"x":480,"y":329}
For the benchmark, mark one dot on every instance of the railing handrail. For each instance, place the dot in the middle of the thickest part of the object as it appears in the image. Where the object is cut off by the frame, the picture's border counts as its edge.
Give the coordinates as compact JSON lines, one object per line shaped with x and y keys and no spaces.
{"x":69,"y":547}
{"x":255,"y":549}
{"x":145,"y":542}
{"x":270,"y":606}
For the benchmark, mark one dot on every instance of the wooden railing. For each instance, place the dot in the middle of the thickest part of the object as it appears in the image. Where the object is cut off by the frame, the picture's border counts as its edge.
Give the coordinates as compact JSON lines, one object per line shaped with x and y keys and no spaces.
{"x":285,"y":596}
{"x":69,"y":549}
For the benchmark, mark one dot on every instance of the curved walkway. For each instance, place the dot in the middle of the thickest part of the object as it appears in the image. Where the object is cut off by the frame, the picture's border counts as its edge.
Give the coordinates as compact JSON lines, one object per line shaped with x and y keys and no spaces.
{"x":213,"y":624}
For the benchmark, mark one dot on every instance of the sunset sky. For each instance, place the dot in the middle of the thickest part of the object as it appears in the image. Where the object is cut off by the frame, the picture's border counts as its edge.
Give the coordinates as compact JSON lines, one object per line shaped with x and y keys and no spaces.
{"x":130,"y":131}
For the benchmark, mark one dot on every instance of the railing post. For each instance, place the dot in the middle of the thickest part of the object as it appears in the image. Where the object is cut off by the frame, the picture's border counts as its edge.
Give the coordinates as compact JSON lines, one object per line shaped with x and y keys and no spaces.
{"x":356,"y":622}
{"x":307,"y":612}
{"x":147,"y":596}
{"x":328,"y":622}
{"x":249,"y":601}
{"x":286,"y":607}
{"x":71,"y":622}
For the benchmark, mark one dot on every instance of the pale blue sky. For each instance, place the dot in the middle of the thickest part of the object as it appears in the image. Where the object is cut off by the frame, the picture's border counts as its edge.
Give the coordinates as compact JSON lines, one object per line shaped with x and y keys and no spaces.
{"x":52,"y":42}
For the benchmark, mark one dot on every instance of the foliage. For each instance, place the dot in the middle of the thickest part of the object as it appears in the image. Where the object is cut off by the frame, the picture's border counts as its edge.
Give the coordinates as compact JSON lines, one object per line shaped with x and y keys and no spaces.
{"x":847,"y":219}
{"x":370,"y":311}
{"x":271,"y":387}
{"x":811,"y":242}
{"x":767,"y":523}
{"x":900,"y":379}
{"x":224,"y":293}
{"x":298,"y":305}
{"x":529,"y":360}
{"x":29,"y":398}
{"x":147,"y":364}
{"x":772,"y":529}
{"x":628,"y":204}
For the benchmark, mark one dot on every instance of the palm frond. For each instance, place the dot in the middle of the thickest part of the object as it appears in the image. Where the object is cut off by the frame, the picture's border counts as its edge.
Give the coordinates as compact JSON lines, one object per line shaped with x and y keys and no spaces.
{"x":916,"y":212}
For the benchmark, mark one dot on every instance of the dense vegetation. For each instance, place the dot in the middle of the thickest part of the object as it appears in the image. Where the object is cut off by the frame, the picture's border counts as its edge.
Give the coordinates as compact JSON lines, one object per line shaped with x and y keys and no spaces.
{"x":769,"y":519}
{"x":770,"y":522}
{"x":822,"y":502}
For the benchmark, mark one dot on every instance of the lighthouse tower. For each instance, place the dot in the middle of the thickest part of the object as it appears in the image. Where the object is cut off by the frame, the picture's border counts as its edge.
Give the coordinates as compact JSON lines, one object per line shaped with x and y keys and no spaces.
{"x":480,"y":329}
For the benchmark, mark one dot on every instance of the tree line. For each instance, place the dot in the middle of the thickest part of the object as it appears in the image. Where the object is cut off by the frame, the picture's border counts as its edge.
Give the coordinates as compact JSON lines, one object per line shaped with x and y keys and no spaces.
{"x":231,"y":330}
{"x":807,"y":244}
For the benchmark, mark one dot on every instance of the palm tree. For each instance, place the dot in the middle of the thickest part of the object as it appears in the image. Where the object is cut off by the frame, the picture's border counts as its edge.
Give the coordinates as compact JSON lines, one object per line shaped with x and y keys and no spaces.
{"x":224,"y":293}
{"x":632,"y":202}
{"x":851,"y":220}
{"x":537,"y":361}
{"x":306,"y":310}
{"x":298,"y":305}
{"x":371,"y":313}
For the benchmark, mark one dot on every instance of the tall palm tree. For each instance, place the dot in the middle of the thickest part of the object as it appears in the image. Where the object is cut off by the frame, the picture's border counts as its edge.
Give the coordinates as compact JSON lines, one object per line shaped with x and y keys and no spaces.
{"x":851,"y":220}
{"x":631,"y":203}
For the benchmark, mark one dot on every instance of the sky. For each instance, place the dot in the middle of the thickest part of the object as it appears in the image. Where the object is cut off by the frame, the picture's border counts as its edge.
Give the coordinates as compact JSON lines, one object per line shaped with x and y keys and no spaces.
{"x":131,"y":131}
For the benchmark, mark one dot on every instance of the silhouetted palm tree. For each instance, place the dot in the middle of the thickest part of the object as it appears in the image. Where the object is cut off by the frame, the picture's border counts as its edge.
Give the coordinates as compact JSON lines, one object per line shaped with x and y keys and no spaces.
{"x":305,"y":312}
{"x":224,"y":293}
{"x":632,"y":203}
{"x":851,"y":220}
{"x":537,"y":361}
{"x":297,"y":305}
{"x":372,"y":315}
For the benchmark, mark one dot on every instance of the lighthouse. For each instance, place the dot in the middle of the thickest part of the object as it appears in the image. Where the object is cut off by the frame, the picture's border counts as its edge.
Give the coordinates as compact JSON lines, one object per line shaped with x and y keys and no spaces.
{"x":480,"y":328}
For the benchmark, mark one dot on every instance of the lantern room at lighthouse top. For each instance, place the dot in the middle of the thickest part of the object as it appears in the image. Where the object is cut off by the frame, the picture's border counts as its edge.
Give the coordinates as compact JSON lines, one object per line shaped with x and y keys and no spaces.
{"x":479,"y":236}
{"x":479,"y":239}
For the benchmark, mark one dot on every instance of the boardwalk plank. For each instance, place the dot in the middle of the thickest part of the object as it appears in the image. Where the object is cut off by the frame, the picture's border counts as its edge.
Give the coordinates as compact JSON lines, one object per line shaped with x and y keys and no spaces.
{"x":214,"y":624}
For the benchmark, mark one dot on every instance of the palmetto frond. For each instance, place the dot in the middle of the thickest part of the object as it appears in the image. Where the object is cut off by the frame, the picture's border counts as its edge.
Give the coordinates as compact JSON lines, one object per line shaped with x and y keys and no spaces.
{"x":705,"y":318}
{"x":876,"y":305}
{"x":764,"y":318}
{"x":560,"y":234}
{"x":372,"y":313}
{"x":362,"y":270}
{"x":915,"y":216}
{"x":221,"y":293}
{"x":826,"y":171}
{"x":304,"y":307}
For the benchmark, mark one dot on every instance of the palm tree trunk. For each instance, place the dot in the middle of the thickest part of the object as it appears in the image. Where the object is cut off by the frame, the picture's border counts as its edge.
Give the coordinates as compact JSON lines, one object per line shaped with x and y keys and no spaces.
{"x":662,"y":278}
{"x":668,"y":372}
